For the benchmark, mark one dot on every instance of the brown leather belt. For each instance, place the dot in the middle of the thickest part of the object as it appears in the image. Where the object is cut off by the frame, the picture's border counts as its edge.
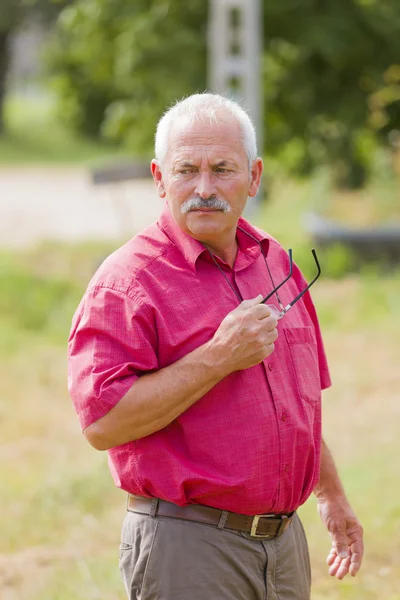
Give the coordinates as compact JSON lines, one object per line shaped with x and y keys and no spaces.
{"x":258,"y":526}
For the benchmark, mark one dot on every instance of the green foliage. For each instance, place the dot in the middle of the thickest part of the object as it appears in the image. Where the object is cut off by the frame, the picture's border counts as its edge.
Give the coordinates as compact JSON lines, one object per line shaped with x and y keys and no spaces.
{"x":330,"y":81}
{"x":35,"y":135}
{"x":14,"y":12}
{"x":11,"y":13}
{"x":338,"y":261}
{"x":120,"y":62}
{"x":331,"y":84}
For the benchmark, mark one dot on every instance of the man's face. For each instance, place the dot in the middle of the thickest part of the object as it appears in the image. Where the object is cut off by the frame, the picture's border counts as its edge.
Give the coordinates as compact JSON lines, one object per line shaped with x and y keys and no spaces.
{"x":206,"y":179}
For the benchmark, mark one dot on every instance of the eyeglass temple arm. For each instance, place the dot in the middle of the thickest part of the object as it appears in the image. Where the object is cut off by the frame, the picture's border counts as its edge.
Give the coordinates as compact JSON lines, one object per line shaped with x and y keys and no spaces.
{"x":282,"y":282}
{"x":309,"y":285}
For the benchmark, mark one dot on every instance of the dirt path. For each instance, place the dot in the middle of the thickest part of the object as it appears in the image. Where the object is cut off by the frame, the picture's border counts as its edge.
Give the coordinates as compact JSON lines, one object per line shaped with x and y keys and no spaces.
{"x":61,"y":203}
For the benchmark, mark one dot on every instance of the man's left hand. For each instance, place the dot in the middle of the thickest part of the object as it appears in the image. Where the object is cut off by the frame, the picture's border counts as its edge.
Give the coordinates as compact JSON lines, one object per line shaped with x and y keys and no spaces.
{"x":347,"y":536}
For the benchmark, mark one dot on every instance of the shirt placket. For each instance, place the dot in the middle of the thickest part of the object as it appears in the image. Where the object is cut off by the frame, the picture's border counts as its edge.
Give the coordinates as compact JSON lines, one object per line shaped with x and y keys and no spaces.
{"x":283,"y":427}
{"x":281,"y":416}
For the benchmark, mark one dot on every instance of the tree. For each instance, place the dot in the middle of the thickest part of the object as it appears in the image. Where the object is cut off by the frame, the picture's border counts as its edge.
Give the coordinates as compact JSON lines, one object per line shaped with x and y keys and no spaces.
{"x":331,"y":86}
{"x":118,"y":63}
{"x":10,"y":14}
{"x":13,"y":14}
{"x":326,"y":72}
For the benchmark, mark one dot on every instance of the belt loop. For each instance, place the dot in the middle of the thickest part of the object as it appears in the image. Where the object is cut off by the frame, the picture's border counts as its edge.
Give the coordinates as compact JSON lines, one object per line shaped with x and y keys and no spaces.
{"x":222,"y":519}
{"x":154,"y":507}
{"x":284,"y":524}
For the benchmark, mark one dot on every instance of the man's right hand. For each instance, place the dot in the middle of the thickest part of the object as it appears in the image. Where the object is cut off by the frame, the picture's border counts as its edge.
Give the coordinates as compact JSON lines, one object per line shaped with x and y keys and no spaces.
{"x":245,"y":337}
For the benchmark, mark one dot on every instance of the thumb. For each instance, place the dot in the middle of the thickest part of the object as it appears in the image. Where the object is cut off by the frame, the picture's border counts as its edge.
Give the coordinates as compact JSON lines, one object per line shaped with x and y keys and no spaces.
{"x":246,"y":304}
{"x":341,"y":544}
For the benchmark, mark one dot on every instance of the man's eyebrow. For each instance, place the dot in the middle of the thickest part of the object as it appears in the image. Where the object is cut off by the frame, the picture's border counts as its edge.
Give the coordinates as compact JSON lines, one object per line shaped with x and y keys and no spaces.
{"x":184,"y":163}
{"x":224,"y":163}
{"x":220,"y":163}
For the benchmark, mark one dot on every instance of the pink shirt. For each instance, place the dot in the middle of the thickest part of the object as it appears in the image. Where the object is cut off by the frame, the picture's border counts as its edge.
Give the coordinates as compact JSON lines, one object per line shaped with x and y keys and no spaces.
{"x":250,"y":445}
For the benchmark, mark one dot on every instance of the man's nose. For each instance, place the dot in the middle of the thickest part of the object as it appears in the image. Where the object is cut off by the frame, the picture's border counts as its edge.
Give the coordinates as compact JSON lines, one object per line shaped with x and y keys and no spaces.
{"x":205,"y":186}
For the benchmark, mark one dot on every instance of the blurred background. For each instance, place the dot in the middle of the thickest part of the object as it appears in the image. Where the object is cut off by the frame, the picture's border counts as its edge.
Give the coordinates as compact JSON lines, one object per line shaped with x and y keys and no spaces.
{"x":82,"y":86}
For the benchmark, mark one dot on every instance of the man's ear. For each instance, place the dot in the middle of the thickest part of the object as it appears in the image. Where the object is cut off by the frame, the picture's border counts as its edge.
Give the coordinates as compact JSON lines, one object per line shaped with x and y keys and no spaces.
{"x":255,"y":176}
{"x":158,"y":178}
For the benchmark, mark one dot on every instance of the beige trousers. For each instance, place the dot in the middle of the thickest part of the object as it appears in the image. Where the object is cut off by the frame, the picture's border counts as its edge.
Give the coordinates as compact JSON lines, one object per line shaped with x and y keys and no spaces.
{"x":169,"y":559}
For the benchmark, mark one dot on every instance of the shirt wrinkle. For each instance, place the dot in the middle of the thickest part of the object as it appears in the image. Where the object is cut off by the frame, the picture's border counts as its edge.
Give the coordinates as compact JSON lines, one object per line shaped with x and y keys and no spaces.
{"x":120,"y":290}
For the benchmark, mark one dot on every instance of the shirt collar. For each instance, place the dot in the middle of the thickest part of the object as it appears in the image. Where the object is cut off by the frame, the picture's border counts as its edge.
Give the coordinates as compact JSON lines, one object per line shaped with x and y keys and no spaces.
{"x":249,"y":240}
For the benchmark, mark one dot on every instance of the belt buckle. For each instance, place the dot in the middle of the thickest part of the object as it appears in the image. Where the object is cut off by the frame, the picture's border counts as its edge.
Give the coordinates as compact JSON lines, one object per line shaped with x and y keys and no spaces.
{"x":254,"y":525}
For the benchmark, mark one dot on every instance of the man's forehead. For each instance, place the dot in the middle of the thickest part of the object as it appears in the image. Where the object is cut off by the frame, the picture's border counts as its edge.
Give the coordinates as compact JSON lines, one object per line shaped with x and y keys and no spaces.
{"x":219,"y":140}
{"x":186,"y":129}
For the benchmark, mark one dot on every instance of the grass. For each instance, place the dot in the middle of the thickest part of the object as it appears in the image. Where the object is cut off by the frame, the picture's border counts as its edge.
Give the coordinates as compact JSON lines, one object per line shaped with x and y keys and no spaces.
{"x":61,"y":513}
{"x":35,"y":135}
{"x":361,"y":426}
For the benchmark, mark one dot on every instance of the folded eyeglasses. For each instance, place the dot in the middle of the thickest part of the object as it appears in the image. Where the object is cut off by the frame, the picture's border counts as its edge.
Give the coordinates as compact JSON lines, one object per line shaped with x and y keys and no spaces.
{"x":282,"y":310}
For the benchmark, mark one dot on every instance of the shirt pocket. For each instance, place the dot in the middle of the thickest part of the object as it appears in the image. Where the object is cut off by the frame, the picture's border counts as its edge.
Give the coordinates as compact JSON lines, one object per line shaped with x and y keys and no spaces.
{"x":303,"y":354}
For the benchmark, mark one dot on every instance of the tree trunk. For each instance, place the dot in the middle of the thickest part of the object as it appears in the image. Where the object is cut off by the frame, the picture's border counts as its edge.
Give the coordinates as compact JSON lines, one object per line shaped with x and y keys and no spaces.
{"x":4,"y":64}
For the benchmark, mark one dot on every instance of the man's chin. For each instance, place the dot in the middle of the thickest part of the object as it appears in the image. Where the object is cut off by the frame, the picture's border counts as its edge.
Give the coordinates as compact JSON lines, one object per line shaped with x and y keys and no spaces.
{"x":199,"y":227}
{"x":206,"y":218}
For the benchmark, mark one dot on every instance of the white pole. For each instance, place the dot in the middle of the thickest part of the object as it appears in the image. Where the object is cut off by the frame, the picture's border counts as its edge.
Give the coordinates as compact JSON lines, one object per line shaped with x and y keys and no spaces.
{"x":234,"y":55}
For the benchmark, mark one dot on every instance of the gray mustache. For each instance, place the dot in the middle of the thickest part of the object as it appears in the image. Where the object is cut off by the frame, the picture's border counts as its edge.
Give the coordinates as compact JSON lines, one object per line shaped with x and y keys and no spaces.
{"x":198,"y":203}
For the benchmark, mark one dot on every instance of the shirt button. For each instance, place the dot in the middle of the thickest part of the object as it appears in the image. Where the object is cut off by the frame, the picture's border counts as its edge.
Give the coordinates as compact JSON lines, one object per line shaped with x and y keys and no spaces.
{"x":286,"y":468}
{"x":269,"y":367}
{"x":284,"y":417}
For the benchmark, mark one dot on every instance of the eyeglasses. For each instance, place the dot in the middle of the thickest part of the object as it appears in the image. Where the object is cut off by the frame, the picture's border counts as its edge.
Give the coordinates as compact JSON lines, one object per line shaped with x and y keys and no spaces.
{"x":279,"y":313}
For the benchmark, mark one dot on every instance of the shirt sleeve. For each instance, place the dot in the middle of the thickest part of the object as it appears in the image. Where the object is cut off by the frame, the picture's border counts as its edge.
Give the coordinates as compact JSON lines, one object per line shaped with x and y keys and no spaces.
{"x":113,"y":341}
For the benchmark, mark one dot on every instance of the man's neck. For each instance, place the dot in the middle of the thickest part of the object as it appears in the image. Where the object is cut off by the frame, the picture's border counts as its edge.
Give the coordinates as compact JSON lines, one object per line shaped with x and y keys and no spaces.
{"x":226,"y":252}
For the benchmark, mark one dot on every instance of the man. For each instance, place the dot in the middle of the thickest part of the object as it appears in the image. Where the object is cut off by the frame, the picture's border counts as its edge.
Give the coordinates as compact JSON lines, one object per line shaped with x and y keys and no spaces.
{"x":211,"y":419}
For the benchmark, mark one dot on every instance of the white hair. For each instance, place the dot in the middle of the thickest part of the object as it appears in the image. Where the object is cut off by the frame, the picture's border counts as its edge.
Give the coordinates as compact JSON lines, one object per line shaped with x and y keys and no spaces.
{"x":211,"y":107}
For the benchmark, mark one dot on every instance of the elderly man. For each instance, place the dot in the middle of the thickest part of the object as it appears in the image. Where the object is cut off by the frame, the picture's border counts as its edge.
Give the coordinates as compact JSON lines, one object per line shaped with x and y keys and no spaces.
{"x":209,"y":409}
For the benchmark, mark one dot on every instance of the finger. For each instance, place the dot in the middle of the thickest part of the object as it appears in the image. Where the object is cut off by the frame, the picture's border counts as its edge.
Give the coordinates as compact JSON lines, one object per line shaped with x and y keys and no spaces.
{"x":355,"y":563}
{"x":272,"y":336}
{"x":331,"y":557}
{"x":269,"y":324}
{"x":357,"y":544}
{"x":343,"y":568}
{"x":341,"y":543}
{"x":267,"y":336}
{"x":357,"y":552}
{"x":259,"y":311}
{"x":354,"y":568}
{"x":246,"y":304}
{"x":335,"y":566}
{"x":269,"y":349}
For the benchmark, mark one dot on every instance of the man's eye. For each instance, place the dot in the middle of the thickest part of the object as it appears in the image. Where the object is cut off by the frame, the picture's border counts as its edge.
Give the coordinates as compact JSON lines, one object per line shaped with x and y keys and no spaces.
{"x":185,"y":171}
{"x":221,"y":170}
